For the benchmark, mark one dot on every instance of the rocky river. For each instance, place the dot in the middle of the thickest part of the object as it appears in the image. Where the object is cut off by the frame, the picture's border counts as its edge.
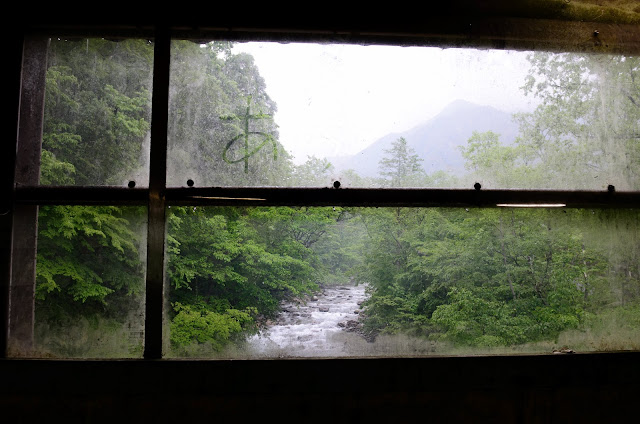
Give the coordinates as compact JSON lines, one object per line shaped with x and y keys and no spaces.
{"x":324,"y":326}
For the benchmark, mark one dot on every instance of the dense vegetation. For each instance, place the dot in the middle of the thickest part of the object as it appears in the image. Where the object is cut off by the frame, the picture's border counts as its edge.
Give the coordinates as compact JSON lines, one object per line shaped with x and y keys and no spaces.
{"x":480,"y":278}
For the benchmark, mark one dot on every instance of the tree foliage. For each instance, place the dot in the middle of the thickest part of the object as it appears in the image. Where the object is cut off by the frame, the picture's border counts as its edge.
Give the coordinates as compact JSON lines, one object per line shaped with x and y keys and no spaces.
{"x":221,"y":131}
{"x":477,"y":277}
{"x":401,"y":165}
{"x":492,"y":278}
{"x":90,"y":260}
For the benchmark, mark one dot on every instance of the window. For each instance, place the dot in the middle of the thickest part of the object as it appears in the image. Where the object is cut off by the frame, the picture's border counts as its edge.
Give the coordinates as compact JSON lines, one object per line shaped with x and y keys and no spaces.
{"x":203,"y":169}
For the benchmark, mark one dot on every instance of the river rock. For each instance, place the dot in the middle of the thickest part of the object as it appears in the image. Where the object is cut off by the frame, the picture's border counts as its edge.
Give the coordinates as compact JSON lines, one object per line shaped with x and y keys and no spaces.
{"x":350,"y":325}
{"x":308,"y":328}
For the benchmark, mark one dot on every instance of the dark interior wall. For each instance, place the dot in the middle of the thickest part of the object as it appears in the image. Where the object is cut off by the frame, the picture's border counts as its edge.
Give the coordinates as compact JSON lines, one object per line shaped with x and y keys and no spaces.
{"x":521,"y":389}
{"x":589,"y":388}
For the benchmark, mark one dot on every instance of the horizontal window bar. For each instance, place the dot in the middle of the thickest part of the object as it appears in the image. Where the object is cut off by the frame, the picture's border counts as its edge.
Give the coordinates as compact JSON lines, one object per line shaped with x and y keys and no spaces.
{"x":446,"y":31}
{"x":502,"y":32}
{"x":267,"y":196}
{"x":71,"y":195}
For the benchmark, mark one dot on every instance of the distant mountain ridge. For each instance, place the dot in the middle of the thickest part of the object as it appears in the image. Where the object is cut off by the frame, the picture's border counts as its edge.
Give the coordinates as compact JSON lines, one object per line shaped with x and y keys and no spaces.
{"x":437,"y":140}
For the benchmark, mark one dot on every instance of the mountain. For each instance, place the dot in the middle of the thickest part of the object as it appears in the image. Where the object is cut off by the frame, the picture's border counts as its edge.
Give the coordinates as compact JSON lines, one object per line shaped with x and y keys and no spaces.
{"x":437,"y":140}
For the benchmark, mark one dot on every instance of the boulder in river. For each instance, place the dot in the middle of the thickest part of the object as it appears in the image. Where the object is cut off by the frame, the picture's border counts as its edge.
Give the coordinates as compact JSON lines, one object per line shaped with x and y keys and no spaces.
{"x":350,"y":325}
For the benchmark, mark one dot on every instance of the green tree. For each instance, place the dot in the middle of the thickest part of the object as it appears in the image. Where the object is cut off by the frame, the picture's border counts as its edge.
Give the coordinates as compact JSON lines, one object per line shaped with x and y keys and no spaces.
{"x":479,"y":277}
{"x":314,"y":172}
{"x":222,"y":272}
{"x":222,"y":130}
{"x":585,"y":132}
{"x":229,"y":267}
{"x":401,"y":165}
{"x":97,"y":111}
{"x":89,"y":263}
{"x":341,"y":248}
{"x":494,"y":164}
{"x":96,"y":122}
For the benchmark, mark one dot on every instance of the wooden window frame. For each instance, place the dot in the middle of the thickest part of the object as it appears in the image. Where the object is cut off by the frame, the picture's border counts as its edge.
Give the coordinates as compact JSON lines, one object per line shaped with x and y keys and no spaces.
{"x":18,"y":211}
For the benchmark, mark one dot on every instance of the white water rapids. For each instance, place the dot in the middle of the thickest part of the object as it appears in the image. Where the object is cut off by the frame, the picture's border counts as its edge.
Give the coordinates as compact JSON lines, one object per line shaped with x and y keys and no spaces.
{"x":314,"y":329}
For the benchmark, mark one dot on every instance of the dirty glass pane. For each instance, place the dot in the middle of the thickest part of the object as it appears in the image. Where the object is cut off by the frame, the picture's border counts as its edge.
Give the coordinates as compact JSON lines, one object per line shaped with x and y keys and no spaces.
{"x":89,"y":284}
{"x":281,"y":282}
{"x":97,"y":113}
{"x":270,"y":114}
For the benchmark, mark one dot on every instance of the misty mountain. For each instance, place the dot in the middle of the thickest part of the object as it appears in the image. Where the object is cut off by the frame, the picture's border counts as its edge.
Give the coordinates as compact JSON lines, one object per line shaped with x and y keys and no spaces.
{"x":437,"y":140}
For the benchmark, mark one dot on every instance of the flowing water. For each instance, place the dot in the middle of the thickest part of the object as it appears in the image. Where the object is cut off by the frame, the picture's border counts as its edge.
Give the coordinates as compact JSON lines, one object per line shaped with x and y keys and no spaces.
{"x":322,"y":327}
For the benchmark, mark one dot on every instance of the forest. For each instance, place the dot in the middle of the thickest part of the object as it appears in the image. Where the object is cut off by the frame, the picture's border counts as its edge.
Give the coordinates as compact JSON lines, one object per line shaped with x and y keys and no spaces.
{"x":465,"y":280}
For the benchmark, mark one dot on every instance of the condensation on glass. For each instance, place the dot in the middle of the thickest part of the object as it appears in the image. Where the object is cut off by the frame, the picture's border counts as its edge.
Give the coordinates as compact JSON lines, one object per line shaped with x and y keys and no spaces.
{"x":97,"y":113}
{"x":282,"y":282}
{"x":89,"y":284}
{"x":297,"y":114}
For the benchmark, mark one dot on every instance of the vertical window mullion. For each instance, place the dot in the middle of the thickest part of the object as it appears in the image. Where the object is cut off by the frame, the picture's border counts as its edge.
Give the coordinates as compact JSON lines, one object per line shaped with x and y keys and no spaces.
{"x":157,"y":182}
{"x":7,"y":179}
{"x":25,"y":217}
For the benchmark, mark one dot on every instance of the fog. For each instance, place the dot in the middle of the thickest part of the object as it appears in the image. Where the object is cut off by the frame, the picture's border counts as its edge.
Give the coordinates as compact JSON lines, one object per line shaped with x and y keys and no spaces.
{"x":338,"y":99}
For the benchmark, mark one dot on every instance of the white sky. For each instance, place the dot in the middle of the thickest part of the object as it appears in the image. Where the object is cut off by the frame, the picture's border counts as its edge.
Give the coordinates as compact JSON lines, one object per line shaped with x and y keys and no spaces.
{"x":338,"y":99}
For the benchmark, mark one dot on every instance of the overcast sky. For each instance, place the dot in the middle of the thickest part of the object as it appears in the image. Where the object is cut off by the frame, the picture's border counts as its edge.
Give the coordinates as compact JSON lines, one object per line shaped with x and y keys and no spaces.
{"x":337,"y":99}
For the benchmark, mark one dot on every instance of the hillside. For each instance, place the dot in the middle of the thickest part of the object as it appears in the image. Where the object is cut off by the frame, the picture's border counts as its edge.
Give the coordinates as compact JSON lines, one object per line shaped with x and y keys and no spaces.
{"x":437,"y":140}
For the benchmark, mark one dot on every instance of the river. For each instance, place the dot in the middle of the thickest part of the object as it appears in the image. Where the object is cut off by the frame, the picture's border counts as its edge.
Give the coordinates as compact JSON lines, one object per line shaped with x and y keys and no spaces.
{"x":318,"y":328}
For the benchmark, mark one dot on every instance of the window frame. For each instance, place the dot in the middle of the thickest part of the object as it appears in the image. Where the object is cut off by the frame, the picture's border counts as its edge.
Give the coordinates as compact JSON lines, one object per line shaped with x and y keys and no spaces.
{"x":503,"y":33}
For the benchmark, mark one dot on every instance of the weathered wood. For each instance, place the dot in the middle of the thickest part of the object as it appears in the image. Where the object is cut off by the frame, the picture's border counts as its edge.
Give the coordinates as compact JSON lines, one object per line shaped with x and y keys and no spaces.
{"x":14,"y":47}
{"x":486,"y":32}
{"x":31,"y":117}
{"x":524,"y":28}
{"x":25,"y":217}
{"x":23,"y":279}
